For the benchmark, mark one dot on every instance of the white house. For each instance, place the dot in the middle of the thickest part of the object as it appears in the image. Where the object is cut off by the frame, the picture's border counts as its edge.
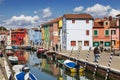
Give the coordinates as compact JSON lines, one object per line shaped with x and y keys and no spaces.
{"x":77,"y":31}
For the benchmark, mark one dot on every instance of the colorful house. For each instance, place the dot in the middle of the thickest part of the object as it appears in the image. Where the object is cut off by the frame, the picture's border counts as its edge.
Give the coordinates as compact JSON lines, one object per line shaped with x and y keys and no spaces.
{"x":34,"y":35}
{"x":77,"y":31}
{"x":105,"y":33}
{"x":17,"y":36}
{"x":51,"y":32}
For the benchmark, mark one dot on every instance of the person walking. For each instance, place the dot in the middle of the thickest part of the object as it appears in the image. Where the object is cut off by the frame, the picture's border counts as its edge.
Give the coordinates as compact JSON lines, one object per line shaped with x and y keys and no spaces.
{"x":56,"y":47}
{"x":96,"y":54}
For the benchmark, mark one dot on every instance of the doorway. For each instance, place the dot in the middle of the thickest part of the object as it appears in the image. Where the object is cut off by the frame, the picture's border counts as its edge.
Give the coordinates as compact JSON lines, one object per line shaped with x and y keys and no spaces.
{"x":79,"y":44}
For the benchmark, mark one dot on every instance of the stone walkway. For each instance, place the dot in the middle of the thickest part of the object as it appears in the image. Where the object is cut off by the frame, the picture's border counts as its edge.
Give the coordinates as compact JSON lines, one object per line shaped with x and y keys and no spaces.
{"x":103,"y":61}
{"x":2,"y":76}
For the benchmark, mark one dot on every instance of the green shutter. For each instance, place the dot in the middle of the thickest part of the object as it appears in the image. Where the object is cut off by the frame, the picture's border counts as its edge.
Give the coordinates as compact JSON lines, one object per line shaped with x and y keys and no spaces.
{"x":106,"y":32}
{"x":95,"y":32}
{"x":107,"y":44}
{"x":95,"y":43}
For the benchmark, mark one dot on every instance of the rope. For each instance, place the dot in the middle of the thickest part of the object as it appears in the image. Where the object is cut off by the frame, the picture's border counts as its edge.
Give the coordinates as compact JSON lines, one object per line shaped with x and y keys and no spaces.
{"x":109,"y":64}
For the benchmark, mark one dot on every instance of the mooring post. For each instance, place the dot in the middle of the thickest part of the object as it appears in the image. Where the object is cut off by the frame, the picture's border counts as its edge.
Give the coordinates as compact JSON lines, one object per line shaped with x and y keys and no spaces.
{"x":96,"y":65}
{"x":109,"y":64}
{"x":87,"y":56}
{"x":78,"y":54}
{"x":70,"y":53}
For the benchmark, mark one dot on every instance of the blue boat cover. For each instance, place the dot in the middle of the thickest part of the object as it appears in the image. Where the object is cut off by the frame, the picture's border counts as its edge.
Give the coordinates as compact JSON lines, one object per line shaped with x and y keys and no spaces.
{"x":21,"y":75}
{"x":71,"y":64}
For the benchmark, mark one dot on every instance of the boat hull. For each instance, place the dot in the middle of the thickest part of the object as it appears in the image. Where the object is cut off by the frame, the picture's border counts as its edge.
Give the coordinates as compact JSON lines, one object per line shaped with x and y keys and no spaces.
{"x":72,"y":66}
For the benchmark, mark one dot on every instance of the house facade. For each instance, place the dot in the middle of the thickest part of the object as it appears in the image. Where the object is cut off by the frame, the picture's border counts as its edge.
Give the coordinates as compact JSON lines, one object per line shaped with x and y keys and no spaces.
{"x":17,"y":36}
{"x":34,"y":35}
{"x":105,"y":33}
{"x":77,"y":31}
{"x":51,"y":33}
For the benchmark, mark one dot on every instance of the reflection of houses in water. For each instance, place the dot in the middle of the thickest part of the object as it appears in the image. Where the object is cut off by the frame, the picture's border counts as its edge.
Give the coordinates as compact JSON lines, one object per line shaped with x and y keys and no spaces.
{"x":33,"y":60}
{"x":49,"y":68}
{"x":22,"y":56}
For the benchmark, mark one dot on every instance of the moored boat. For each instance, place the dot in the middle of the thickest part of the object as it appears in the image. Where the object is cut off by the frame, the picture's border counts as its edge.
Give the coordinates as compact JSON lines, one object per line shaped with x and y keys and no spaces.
{"x":9,"y":51}
{"x":23,"y":73}
{"x":72,"y":66}
{"x":41,"y":50}
{"x":13,"y":59}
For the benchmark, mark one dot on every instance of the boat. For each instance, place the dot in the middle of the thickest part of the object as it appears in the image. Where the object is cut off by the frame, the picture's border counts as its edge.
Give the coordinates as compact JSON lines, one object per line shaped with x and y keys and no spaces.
{"x":22,"y":72}
{"x":41,"y":50}
{"x":72,"y":66}
{"x":9,"y":50}
{"x":13,"y":59}
{"x":15,"y":47}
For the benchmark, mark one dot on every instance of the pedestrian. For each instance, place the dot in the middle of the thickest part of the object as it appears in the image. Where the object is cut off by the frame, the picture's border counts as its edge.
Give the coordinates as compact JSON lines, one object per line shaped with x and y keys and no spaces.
{"x":96,"y":54}
{"x":101,"y":47}
{"x":56,"y":47}
{"x":53,"y":48}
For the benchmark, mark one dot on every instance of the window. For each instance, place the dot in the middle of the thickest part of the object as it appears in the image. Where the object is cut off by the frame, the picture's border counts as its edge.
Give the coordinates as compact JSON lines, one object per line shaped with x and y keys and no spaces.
{"x":73,"y":43}
{"x":73,"y":21}
{"x":106,"y":23}
{"x":87,"y":21}
{"x":95,"y":43}
{"x":113,"y":42}
{"x":95,"y":32}
{"x":86,"y":43}
{"x":107,"y":44}
{"x":87,"y":32}
{"x":113,"y":32}
{"x":106,"y":32}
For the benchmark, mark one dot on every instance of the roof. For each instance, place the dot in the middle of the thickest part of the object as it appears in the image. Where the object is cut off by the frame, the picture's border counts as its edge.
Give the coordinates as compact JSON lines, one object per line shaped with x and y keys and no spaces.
{"x":118,"y":15}
{"x":98,"y":25}
{"x":113,"y":23}
{"x":52,"y":21}
{"x":78,"y":16}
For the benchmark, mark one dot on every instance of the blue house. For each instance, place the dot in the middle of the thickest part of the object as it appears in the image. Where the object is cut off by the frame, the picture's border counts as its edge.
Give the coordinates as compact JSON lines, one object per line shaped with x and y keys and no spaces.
{"x":35,"y":36}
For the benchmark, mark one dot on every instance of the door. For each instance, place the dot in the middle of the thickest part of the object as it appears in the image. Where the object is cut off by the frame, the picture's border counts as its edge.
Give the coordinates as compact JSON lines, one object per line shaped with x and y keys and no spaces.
{"x":79,"y":44}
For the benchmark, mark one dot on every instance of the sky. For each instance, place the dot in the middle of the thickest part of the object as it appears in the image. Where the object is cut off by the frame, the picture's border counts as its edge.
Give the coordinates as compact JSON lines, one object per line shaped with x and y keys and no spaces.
{"x":31,"y":13}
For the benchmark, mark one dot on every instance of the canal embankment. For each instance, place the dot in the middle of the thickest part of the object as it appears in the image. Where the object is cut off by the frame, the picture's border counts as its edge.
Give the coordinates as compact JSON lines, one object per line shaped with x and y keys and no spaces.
{"x":106,"y":67}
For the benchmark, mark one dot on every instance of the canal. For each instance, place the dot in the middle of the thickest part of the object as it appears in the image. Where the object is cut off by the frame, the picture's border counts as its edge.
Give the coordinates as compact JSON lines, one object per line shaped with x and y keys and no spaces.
{"x":45,"y":69}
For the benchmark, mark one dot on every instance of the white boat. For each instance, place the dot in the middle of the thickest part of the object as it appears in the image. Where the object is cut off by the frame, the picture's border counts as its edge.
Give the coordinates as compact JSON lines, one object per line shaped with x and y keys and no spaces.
{"x":13,"y":59}
{"x":23,"y":73}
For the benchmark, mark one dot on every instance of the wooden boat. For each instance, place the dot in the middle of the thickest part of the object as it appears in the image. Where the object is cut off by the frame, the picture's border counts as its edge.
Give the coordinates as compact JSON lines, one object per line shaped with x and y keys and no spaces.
{"x":13,"y":59}
{"x":23,"y":73}
{"x":72,"y":66}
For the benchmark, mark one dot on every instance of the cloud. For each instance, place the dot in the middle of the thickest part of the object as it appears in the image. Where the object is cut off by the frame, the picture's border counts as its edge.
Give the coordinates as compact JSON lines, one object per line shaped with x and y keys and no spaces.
{"x":22,"y":20}
{"x":98,"y":10}
{"x":78,"y":9}
{"x":35,"y":12}
{"x":114,"y":12}
{"x":46,"y":12}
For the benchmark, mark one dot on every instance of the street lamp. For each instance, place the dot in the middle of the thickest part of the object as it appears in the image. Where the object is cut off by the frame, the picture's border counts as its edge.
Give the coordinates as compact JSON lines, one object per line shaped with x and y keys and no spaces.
{"x":119,"y":28}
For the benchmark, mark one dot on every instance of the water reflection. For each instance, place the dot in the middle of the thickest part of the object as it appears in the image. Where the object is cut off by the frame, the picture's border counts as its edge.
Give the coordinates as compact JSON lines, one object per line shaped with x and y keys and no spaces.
{"x":44,"y":68}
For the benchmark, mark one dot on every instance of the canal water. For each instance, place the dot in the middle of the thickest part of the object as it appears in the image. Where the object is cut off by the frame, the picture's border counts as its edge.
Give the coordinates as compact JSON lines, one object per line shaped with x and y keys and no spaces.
{"x":44,"y":69}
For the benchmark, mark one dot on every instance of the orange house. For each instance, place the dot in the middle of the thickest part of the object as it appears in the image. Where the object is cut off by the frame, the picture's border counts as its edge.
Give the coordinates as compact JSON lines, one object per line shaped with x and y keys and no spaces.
{"x":101,"y":33}
{"x":106,"y":33}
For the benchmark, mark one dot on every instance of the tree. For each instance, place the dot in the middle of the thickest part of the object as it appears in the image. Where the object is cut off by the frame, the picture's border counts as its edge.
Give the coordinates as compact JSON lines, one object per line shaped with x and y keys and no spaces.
{"x":3,"y":28}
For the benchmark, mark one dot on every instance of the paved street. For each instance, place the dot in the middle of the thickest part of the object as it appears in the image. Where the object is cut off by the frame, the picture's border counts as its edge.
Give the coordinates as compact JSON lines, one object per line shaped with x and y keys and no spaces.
{"x":103,"y":61}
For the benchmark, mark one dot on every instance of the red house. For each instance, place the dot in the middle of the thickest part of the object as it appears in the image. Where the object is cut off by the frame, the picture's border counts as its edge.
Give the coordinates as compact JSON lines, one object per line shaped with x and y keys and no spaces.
{"x":17,"y":36}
